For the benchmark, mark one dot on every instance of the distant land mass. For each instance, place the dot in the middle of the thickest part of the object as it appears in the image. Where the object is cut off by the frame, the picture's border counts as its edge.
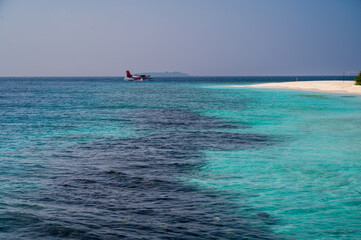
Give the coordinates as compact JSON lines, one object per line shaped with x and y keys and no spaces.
{"x":166,"y":74}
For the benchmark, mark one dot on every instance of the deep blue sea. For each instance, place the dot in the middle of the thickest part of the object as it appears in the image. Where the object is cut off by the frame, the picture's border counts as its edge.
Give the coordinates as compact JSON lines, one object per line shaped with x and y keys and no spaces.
{"x":177,"y":158}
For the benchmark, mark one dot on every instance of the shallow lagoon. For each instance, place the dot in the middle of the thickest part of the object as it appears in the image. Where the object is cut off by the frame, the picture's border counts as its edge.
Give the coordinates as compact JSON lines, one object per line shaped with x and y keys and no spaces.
{"x":99,"y":158}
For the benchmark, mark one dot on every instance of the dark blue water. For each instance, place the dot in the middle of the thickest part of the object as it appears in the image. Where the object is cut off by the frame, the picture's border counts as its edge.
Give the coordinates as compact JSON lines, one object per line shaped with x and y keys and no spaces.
{"x":100,"y":158}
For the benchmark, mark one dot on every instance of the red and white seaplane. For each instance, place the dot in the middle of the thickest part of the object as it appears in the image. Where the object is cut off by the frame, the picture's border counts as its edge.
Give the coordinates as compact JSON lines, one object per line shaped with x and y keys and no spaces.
{"x":135,"y":77}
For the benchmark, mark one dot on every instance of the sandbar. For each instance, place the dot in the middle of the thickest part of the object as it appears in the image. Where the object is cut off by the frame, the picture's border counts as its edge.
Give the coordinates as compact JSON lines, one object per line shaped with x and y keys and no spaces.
{"x":340,"y":87}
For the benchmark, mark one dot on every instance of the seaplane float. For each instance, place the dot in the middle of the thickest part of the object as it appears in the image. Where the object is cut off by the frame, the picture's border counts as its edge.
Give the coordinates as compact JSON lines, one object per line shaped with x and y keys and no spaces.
{"x":130,"y":77}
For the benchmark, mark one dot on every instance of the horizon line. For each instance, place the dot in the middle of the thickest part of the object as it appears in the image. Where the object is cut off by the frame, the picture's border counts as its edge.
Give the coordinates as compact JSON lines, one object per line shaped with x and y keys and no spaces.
{"x":120,"y":76}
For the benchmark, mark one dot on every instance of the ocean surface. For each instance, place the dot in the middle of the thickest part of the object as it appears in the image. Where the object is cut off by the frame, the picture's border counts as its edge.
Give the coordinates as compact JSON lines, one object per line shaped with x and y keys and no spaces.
{"x":177,"y":158}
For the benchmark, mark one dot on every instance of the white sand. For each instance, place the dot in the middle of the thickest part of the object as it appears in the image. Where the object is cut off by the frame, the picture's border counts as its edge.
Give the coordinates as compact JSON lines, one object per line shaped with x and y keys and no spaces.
{"x":342,"y":87}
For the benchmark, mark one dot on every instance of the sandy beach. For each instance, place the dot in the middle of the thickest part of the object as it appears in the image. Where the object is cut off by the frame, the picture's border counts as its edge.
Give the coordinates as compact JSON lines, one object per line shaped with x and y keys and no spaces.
{"x":342,"y":87}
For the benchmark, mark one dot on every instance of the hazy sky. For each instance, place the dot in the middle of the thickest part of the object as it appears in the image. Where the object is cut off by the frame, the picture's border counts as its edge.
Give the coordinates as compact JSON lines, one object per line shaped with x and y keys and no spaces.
{"x":199,"y":37}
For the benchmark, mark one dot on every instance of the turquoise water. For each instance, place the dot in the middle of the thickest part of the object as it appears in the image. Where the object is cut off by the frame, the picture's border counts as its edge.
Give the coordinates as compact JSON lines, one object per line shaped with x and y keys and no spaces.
{"x":187,"y":158}
{"x":310,"y":182}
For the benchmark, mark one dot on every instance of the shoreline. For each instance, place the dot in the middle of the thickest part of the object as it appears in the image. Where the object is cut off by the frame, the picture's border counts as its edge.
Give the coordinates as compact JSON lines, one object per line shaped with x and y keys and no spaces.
{"x":339,"y":87}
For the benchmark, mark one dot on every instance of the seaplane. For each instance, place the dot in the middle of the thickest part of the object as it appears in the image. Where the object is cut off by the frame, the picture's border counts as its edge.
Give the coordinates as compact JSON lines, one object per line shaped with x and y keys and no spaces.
{"x":135,"y":77}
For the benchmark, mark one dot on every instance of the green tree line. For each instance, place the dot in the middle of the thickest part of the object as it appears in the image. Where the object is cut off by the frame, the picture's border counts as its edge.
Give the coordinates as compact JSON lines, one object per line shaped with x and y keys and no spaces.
{"x":358,"y":79}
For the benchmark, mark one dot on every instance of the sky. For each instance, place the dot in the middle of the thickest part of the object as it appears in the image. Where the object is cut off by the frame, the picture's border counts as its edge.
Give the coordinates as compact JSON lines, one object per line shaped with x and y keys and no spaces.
{"x":198,"y":37}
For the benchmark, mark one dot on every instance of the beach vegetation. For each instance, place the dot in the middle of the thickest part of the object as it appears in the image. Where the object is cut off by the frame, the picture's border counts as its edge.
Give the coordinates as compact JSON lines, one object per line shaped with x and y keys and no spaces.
{"x":358,"y":79}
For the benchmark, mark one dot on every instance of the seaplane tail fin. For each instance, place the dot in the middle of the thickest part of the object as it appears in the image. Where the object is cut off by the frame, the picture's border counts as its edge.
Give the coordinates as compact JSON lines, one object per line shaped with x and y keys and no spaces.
{"x":128,"y":74}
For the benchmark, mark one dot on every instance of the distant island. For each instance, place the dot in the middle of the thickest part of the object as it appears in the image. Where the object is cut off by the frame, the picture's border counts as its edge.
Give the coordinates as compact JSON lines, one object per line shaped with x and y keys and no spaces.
{"x":166,"y":74}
